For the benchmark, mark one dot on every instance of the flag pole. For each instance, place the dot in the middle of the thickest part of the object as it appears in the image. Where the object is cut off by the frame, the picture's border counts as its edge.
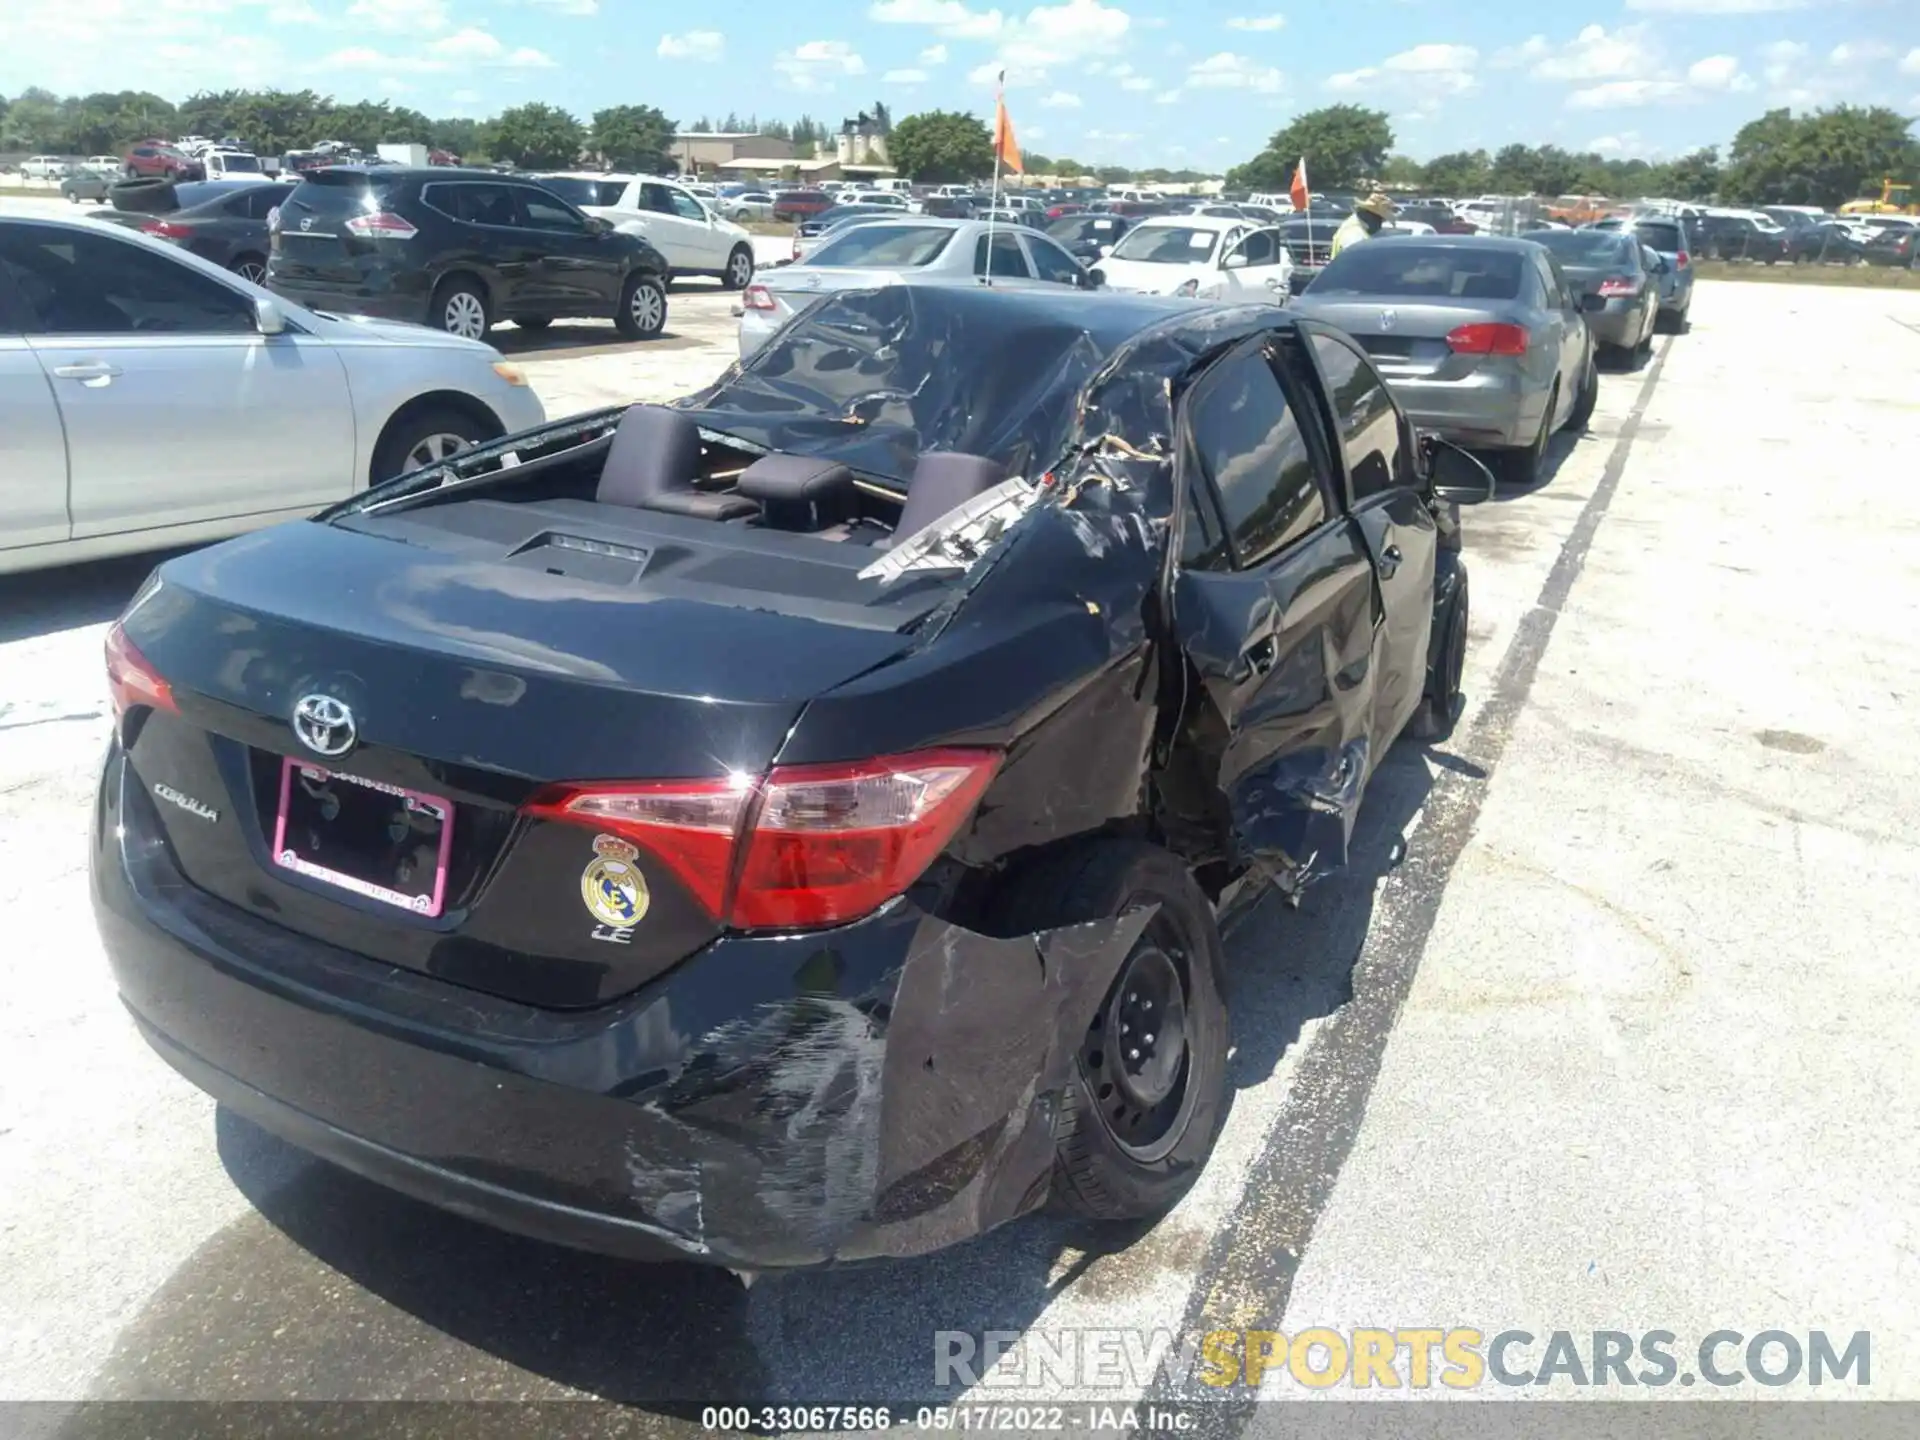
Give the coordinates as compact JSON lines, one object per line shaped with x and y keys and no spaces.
{"x":999,"y":112}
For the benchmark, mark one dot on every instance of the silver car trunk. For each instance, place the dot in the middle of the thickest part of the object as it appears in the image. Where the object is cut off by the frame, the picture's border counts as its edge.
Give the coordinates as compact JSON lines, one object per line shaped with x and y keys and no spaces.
{"x":1407,"y":339}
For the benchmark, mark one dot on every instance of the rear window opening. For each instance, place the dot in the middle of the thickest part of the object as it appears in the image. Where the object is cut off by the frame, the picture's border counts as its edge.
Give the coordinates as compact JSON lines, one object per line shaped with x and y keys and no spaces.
{"x":1430,"y":272}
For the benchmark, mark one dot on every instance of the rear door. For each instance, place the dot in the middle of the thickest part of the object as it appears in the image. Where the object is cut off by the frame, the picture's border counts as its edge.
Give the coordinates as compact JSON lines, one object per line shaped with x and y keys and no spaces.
{"x":573,"y":267}
{"x":1274,"y":607}
{"x":1052,"y":264}
{"x":491,"y":232}
{"x":999,"y":260}
{"x":177,"y":410}
{"x":681,"y":238}
{"x":1566,"y":325}
{"x":33,"y":484}
{"x":1373,"y":452}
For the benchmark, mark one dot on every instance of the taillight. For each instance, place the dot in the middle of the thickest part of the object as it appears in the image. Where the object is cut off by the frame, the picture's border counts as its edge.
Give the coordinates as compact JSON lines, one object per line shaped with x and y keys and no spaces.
{"x":131,"y":680}
{"x":382,"y":225}
{"x":809,"y":845}
{"x":1488,"y":339}
{"x":1681,"y":260}
{"x":1612,"y":288}
{"x":166,"y":229}
{"x":757,"y":297}
{"x":796,"y":245}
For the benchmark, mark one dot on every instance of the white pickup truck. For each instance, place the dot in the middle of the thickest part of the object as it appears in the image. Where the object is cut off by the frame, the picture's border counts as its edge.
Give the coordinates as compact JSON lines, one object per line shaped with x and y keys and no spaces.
{"x":43,"y":167}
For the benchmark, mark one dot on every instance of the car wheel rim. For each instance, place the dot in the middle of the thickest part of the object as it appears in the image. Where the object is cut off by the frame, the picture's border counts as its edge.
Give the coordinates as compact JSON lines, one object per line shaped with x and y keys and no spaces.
{"x":466,"y":316}
{"x":1135,"y":1057}
{"x":646,"y":307}
{"x":251,"y":271}
{"x":742,"y":270}
{"x":433,"y":449}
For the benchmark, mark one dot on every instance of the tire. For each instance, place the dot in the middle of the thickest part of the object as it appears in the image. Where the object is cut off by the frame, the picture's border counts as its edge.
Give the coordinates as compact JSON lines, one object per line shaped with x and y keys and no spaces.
{"x":1522,"y":467}
{"x":534,"y":322}
{"x":250,"y":267}
{"x":405,"y":445}
{"x":1589,"y":396}
{"x":459,"y":307}
{"x":1440,"y":702}
{"x":642,"y":314}
{"x":1118,"y":1155}
{"x":739,"y":272}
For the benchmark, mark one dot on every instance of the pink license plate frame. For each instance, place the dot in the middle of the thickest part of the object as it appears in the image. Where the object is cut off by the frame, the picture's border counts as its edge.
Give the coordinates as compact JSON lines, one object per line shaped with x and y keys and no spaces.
{"x":428,"y":907}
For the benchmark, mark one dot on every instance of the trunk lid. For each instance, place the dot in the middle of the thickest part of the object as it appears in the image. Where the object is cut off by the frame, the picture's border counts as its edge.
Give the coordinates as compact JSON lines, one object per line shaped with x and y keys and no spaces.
{"x":473,"y":680}
{"x":1407,"y":340}
{"x":309,"y":235}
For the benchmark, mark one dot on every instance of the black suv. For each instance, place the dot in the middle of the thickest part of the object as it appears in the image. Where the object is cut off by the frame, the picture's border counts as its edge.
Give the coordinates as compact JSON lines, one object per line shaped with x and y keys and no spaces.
{"x":458,"y":252}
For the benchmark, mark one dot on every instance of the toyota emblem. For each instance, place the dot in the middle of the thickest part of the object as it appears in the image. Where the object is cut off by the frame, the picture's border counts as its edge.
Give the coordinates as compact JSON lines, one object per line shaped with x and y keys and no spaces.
{"x":1389,"y":319}
{"x":324,"y":725}
{"x":306,"y":222}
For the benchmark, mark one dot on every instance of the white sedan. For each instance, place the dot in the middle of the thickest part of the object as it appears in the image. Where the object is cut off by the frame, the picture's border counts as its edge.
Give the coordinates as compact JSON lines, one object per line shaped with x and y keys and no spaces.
{"x":153,"y":399}
{"x":694,"y":240}
{"x":1210,"y":257}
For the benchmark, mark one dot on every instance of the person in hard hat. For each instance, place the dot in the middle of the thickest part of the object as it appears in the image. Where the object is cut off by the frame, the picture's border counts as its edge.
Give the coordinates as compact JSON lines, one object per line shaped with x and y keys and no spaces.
{"x":1365,"y":222}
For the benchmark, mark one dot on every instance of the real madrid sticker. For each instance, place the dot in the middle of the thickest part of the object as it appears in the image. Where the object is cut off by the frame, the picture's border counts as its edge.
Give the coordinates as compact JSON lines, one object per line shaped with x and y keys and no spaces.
{"x":614,"y":889}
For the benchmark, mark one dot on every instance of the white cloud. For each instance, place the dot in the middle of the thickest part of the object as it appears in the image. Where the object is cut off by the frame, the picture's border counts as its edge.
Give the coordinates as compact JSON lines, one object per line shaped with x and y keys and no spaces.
{"x":1111,"y":135}
{"x":934,"y":55}
{"x":1137,"y":82}
{"x":1597,"y":54}
{"x":293,"y":12}
{"x":1433,"y":59}
{"x":1625,"y":94}
{"x":400,"y":17}
{"x":707,"y":45}
{"x":570,"y":7}
{"x":1051,"y":36}
{"x":466,"y":97}
{"x":1256,"y":22}
{"x":1227,"y":71}
{"x":818,"y":63}
{"x":1718,"y":7}
{"x":1784,"y":59}
{"x":1911,"y":64}
{"x":1528,"y":52}
{"x":460,"y":50}
{"x":904,"y":77}
{"x":1860,"y":52}
{"x":1060,"y":100}
{"x":469,"y":44}
{"x":949,"y":17}
{"x":1169,"y":97}
{"x":1718,"y":72}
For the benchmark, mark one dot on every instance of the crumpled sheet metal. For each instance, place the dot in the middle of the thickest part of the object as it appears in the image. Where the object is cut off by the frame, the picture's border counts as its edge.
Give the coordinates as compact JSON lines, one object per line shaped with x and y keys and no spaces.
{"x":833,"y":1128}
{"x":872,"y":378}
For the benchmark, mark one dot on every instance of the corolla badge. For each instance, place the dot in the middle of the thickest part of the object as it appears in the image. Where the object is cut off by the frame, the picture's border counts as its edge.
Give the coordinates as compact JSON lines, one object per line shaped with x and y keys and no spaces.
{"x":324,"y":725}
{"x":198,"y":808}
{"x":1389,"y":319}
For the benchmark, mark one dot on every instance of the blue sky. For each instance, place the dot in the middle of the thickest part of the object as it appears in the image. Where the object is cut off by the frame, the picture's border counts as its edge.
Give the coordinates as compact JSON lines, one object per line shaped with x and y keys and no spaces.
{"x":1142,"y":82}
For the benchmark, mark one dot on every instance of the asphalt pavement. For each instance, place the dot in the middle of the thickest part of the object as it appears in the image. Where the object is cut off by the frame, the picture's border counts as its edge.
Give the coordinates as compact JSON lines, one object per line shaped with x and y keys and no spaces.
{"x":1607,"y":1025}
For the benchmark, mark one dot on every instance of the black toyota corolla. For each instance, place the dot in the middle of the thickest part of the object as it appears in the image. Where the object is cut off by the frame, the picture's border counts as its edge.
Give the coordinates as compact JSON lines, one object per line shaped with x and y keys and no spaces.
{"x":786,"y":826}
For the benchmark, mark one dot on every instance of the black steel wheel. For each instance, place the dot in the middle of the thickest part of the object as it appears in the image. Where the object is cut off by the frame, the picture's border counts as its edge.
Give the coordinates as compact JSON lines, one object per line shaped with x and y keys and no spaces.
{"x":1148,"y":1091}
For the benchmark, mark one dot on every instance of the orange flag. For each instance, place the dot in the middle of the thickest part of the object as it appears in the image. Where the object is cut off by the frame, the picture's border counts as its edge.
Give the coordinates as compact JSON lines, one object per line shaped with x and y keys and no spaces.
{"x":1297,"y":192}
{"x":1005,"y":148}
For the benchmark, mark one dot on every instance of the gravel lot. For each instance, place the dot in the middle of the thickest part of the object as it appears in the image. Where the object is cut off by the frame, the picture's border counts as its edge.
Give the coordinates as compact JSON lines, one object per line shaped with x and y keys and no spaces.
{"x":1607,"y":1026}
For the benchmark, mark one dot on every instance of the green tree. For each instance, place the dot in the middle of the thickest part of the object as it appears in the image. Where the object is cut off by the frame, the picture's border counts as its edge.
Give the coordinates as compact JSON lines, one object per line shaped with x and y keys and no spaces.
{"x":1344,"y":145}
{"x":455,"y":134}
{"x":941,"y":147}
{"x":1457,"y":174}
{"x":1402,"y":170}
{"x":1692,"y":177}
{"x":535,"y":136}
{"x":1825,"y":158}
{"x":1512,"y":171}
{"x":633,"y":137}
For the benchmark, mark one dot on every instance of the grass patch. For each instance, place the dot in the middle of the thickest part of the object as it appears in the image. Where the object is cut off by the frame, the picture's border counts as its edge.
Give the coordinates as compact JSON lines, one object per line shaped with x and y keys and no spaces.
{"x":1854,"y":277}
{"x":767,"y":227}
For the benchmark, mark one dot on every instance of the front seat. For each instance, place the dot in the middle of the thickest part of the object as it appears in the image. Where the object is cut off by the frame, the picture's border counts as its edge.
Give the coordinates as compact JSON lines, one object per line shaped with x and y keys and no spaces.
{"x":942,"y":481}
{"x":652,"y":463}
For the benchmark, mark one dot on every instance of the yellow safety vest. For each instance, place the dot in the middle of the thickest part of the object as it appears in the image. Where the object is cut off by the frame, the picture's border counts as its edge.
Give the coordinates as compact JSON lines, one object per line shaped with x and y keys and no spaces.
{"x":1351,"y":230}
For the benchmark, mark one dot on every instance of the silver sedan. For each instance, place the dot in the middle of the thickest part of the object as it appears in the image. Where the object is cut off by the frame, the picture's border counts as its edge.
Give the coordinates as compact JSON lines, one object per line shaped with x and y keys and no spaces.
{"x":153,"y":399}
{"x":1481,"y":338}
{"x":919,"y":249}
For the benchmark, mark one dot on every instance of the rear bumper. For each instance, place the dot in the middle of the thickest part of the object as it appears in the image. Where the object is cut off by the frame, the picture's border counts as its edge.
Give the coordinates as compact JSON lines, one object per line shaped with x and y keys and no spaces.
{"x":1618,"y":325}
{"x":374,"y":294}
{"x":1492,"y":410}
{"x":882,"y":1090}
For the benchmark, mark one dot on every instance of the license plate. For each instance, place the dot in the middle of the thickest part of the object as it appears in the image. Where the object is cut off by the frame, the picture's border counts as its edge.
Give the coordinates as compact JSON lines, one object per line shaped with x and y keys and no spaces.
{"x":380,"y":841}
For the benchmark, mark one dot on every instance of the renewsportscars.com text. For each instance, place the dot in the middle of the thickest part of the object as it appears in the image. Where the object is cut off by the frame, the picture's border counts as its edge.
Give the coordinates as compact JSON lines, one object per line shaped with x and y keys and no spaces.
{"x":1416,"y":1358}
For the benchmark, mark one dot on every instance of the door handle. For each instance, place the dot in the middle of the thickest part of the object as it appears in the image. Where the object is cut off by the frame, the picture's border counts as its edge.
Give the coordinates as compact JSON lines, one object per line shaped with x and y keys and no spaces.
{"x":1260,"y":655}
{"x":1390,"y":559}
{"x":89,"y":372}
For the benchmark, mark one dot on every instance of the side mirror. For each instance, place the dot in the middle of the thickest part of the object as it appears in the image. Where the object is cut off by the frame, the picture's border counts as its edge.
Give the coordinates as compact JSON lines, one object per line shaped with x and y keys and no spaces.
{"x":1454,"y":475}
{"x":1590,"y":304}
{"x":1236,"y":261}
{"x":268,"y":317}
{"x":1105,"y":250}
{"x":599,"y":225}
{"x":1092,"y":279}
